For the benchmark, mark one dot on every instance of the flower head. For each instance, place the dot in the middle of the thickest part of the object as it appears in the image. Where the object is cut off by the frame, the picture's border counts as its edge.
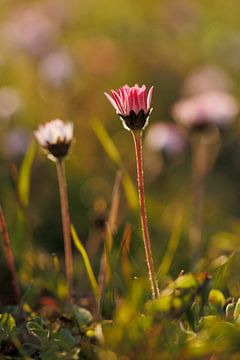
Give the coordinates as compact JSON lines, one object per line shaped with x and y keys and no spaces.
{"x":57,"y":68}
{"x":55,"y":136}
{"x":206,"y":109}
{"x":31,"y":29}
{"x":132,"y":104}
{"x":166,"y":137}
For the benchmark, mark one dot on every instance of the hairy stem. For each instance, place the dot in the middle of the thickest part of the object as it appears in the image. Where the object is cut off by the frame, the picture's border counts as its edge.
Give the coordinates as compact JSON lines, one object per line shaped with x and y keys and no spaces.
{"x":66,"y":225}
{"x":9,"y":256}
{"x":137,"y":137}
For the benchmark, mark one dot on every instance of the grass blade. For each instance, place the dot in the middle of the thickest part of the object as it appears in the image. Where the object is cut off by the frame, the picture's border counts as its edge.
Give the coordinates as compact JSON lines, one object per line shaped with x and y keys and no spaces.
{"x":106,"y":142}
{"x":86,"y":261}
{"x":130,"y":192}
{"x":125,"y":250}
{"x":24,"y":175}
{"x":172,"y":246}
{"x":105,"y":273}
{"x":113,"y":213}
{"x":113,"y":154}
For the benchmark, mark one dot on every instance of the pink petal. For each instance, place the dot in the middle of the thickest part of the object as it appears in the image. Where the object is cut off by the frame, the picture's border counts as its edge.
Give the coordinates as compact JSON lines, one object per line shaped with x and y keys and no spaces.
{"x":119,"y":101}
{"x":149,"y":98}
{"x":112,"y":101}
{"x":135,"y":100}
{"x":130,"y":100}
{"x":142,"y":100}
{"x":145,"y":99}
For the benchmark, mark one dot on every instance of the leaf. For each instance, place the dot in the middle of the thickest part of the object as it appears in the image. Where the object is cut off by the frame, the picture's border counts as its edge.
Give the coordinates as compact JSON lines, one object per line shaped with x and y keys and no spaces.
{"x":115,"y":201}
{"x":113,"y":154}
{"x":216,"y":298}
{"x":66,"y":340}
{"x":7,"y":325}
{"x":24,"y":175}
{"x":130,"y":191}
{"x":229,"y":311}
{"x":86,"y":261}
{"x":232,"y":274}
{"x":37,"y":328}
{"x":106,"y":142}
{"x":107,"y":355}
{"x":236,"y":313}
{"x":208,"y":321}
{"x":186,"y":281}
{"x":83,"y":316}
{"x":162,"y":304}
{"x":172,"y":246}
{"x":108,"y":254}
{"x":124,"y":252}
{"x":51,"y":351}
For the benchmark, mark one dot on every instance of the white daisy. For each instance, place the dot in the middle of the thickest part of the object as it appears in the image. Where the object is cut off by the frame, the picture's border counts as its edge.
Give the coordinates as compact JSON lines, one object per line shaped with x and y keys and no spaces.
{"x":55,"y":136}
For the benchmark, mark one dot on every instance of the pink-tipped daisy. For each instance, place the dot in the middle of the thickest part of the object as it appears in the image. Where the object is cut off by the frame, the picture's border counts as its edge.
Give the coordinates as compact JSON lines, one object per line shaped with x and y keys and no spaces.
{"x":132,"y":104}
{"x":206,"y":109}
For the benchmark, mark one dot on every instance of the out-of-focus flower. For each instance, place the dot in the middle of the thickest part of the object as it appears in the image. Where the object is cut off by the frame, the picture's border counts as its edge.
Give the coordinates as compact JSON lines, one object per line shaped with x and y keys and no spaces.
{"x":57,"y":67}
{"x":15,"y":143}
{"x":55,"y":137}
{"x":31,"y":29}
{"x":167,"y":138}
{"x":132,"y":104}
{"x":10,"y":101}
{"x":210,"y":108}
{"x":207,"y":78}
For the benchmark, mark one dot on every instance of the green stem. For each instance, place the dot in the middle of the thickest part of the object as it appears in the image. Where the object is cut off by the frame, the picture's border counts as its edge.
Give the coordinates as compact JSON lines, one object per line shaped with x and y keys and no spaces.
{"x":66,"y":225}
{"x":137,"y":137}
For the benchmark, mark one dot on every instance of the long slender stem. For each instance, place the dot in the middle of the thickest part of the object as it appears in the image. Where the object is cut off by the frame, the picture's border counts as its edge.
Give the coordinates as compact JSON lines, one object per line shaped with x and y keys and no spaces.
{"x":200,"y":168}
{"x":198,"y":184}
{"x":137,"y":137}
{"x":205,"y":148}
{"x":66,"y":225}
{"x":9,"y":256}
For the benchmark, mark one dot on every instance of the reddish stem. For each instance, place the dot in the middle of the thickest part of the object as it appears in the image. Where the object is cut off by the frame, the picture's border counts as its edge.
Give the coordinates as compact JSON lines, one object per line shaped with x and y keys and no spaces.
{"x":137,"y":137}
{"x":9,"y":256}
{"x":66,"y":225}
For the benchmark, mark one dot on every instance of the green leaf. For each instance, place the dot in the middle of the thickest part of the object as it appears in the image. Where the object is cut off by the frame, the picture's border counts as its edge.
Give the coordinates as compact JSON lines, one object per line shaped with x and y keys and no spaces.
{"x":24,"y":175}
{"x":86,"y":261}
{"x":232,"y":275}
{"x":195,"y":310}
{"x":186,"y":281}
{"x":114,"y":155}
{"x":130,"y":191}
{"x":7,"y":325}
{"x":83,"y":316}
{"x":208,"y":321}
{"x":216,"y":298}
{"x":229,"y":311}
{"x":37,"y":328}
{"x":107,"y":143}
{"x":162,"y":304}
{"x":236,"y":313}
{"x":51,"y":351}
{"x":172,"y":246}
{"x":66,"y":340}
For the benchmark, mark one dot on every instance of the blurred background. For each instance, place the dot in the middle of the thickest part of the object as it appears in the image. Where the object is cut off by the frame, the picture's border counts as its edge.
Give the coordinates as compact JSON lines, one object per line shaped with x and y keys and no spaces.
{"x":56,"y":60}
